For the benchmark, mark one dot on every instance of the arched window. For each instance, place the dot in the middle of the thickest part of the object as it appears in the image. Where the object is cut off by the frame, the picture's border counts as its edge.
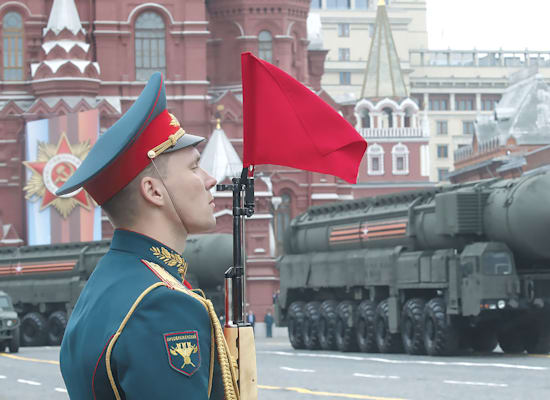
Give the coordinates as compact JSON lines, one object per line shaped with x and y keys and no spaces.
{"x":150,"y":45}
{"x":400,"y":159}
{"x":387,"y":118}
{"x":12,"y":34}
{"x":375,"y":159}
{"x":265,"y":46}
{"x":365,"y":118}
{"x":408,"y":117}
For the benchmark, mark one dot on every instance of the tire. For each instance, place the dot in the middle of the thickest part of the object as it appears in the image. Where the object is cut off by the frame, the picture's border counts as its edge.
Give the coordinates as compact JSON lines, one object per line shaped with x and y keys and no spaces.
{"x":511,"y":341}
{"x":57,"y":322}
{"x":14,"y":342}
{"x":537,"y":338}
{"x":33,"y":329}
{"x":387,"y":342}
{"x":311,"y":325}
{"x":484,"y":339}
{"x":441,"y":337}
{"x":327,"y":325}
{"x":365,"y":331}
{"x":345,"y":332}
{"x":412,"y":326}
{"x":295,"y":324}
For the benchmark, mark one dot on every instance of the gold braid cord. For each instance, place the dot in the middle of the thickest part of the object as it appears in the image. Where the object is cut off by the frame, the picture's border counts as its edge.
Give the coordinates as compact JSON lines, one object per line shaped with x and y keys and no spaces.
{"x":119,"y":331}
{"x":227,"y":363}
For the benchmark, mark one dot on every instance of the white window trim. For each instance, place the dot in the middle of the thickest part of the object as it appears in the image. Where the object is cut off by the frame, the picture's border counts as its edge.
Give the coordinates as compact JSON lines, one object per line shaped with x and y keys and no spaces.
{"x":375,"y":151}
{"x":400,"y":150}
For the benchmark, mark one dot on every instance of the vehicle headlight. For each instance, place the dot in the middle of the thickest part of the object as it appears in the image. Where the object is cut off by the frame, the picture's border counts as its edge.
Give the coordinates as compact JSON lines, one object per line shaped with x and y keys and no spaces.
{"x":9,"y":323}
{"x":501,"y":304}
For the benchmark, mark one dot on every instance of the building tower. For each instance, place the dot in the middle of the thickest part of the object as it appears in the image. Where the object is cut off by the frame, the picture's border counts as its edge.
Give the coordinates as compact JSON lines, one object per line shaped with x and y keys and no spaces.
{"x":65,"y":74}
{"x":276,"y":32}
{"x":397,"y":157}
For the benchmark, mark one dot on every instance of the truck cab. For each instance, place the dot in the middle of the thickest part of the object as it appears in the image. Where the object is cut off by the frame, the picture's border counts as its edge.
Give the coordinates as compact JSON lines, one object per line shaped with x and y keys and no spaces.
{"x":489,"y":278}
{"x":9,"y":324}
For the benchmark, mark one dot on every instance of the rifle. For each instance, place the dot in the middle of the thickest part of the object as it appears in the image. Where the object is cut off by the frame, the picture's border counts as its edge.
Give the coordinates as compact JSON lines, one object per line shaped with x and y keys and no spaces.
{"x":238,"y":333}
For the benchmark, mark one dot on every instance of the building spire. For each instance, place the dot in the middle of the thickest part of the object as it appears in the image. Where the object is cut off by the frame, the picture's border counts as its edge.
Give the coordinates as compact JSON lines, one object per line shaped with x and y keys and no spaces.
{"x":219,"y":157}
{"x":383,"y":76}
{"x":64,"y":55}
{"x":64,"y":15}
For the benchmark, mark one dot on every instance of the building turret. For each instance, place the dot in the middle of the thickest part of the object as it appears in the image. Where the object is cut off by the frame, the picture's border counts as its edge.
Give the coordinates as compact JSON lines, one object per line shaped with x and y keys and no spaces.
{"x":276,"y":32}
{"x":65,"y":68}
{"x":316,"y":53}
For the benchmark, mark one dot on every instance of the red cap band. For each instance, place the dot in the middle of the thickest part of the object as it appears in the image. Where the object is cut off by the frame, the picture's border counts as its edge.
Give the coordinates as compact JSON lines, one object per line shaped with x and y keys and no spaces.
{"x":131,"y":161}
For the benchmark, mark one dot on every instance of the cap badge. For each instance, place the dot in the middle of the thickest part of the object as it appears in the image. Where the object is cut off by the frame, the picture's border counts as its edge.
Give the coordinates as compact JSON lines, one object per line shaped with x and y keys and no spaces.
{"x":174,"y":122}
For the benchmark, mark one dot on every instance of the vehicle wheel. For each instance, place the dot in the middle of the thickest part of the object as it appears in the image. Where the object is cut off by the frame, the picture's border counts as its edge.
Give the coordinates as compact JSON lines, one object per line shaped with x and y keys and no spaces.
{"x":386,"y":341}
{"x":537,"y":338}
{"x":14,"y":342}
{"x":345,"y":335}
{"x":484,"y":339}
{"x":57,"y":322}
{"x":511,"y":340}
{"x":412,"y":326}
{"x":440,"y":335}
{"x":295,"y":324}
{"x":327,"y":325}
{"x":365,"y":331}
{"x":33,"y":329}
{"x":311,"y":325}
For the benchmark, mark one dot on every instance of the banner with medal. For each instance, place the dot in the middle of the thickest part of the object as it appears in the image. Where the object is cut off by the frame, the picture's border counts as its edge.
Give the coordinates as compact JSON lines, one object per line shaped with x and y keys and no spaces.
{"x":54,"y":149}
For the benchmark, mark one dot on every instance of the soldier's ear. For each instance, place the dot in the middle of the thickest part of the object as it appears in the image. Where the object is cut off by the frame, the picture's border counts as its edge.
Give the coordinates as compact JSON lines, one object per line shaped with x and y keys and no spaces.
{"x":152,"y":191}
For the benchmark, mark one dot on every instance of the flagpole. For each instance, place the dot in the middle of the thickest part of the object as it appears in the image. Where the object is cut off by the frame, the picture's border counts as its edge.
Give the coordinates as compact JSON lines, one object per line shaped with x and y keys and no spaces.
{"x":238,"y":333}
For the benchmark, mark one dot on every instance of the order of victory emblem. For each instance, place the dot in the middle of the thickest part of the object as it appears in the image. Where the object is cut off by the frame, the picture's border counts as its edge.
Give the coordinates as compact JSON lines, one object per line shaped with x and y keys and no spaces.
{"x":53,"y":167}
{"x":183,"y":351}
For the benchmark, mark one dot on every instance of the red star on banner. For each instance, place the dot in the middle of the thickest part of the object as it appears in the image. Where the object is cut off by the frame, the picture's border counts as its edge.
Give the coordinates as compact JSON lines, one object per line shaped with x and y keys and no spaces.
{"x":56,"y":171}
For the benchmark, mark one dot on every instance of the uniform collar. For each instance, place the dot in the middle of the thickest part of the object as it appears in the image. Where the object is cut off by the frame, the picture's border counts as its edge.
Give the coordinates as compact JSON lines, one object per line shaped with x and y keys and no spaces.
{"x":147,"y":248}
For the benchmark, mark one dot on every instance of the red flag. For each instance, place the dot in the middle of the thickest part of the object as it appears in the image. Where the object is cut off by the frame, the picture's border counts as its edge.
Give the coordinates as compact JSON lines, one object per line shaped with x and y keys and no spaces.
{"x":285,"y":123}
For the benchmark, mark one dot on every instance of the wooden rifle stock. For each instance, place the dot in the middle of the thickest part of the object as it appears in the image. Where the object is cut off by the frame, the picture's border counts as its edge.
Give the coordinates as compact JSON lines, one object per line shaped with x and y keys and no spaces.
{"x":238,"y":334}
{"x":240,"y":340}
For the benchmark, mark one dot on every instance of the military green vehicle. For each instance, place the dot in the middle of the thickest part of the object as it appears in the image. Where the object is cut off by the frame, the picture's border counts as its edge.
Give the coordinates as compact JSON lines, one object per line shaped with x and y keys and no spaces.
{"x":44,"y":282}
{"x":9,"y":324}
{"x":462,"y":266}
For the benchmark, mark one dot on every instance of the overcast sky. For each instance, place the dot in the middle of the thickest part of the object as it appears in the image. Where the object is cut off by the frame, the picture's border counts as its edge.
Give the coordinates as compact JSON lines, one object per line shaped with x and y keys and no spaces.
{"x":489,"y":24}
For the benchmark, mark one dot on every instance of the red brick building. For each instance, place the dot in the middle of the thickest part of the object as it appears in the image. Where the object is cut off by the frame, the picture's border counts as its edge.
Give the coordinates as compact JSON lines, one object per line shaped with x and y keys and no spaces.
{"x":66,"y":56}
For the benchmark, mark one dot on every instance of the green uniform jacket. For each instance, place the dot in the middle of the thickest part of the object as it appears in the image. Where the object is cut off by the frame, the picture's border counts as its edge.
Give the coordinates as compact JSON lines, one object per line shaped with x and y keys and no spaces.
{"x":164,"y":350}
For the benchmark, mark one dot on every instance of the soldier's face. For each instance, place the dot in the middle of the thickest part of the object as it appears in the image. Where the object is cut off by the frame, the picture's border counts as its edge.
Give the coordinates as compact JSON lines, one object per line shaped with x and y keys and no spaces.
{"x":189,"y":187}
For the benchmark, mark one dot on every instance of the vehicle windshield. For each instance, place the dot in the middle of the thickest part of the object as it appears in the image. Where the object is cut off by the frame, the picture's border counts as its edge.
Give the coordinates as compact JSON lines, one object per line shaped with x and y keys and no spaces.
{"x":4,"y":303}
{"x":496,"y":264}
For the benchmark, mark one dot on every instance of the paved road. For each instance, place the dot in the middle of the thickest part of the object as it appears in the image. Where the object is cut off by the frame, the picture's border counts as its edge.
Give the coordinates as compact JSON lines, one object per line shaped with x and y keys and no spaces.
{"x":284,"y":373}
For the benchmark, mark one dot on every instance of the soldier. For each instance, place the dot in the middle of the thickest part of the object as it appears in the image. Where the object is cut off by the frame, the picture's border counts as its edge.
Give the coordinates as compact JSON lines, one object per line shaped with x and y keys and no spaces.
{"x":138,"y":331}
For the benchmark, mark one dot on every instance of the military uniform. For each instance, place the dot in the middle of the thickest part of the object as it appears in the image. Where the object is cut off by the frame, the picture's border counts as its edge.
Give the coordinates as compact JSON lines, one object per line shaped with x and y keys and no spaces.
{"x":138,"y":330}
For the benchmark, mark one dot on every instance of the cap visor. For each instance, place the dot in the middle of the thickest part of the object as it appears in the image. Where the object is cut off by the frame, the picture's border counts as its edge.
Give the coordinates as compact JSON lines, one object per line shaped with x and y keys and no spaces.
{"x":185,"y":141}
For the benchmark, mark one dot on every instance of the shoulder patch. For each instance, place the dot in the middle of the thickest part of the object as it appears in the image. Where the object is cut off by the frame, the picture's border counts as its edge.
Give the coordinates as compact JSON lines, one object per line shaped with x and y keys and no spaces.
{"x":183,"y":351}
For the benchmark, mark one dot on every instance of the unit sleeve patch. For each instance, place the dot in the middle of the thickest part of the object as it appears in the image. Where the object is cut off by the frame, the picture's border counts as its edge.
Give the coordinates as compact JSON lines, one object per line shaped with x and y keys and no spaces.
{"x":183,"y":351}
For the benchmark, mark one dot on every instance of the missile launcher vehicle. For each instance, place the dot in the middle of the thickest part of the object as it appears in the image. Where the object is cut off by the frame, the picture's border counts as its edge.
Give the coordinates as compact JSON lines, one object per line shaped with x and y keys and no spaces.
{"x":45,"y":281}
{"x":463,"y":266}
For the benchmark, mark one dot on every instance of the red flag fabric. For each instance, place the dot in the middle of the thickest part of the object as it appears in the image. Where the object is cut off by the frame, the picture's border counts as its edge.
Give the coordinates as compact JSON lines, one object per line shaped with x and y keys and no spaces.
{"x":285,"y":123}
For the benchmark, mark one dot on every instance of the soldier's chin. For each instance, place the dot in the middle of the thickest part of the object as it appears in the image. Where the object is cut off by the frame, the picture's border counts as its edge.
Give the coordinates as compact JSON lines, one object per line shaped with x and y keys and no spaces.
{"x":204,"y":228}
